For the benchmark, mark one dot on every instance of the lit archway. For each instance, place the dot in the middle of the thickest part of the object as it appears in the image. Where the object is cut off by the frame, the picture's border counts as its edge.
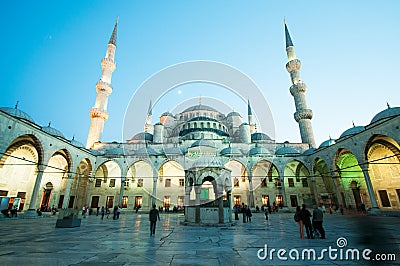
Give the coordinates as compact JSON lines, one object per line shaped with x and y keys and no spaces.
{"x":139,"y":186}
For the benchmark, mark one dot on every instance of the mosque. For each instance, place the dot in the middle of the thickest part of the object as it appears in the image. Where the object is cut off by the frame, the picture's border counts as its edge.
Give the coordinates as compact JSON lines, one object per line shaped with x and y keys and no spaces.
{"x":198,"y":156}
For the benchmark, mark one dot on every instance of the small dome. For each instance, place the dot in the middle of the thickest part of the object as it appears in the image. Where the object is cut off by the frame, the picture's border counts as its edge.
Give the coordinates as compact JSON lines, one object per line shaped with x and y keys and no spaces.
{"x":158,"y":124}
{"x":286,"y":151}
{"x":173,"y":151}
{"x":352,"y":131}
{"x":327,"y":143}
{"x":115,"y":151}
{"x":233,"y":114}
{"x":52,"y":131}
{"x":167,"y":114}
{"x":309,"y":151}
{"x":17,"y":113}
{"x":258,"y":136}
{"x":230,"y":151}
{"x":77,"y":143}
{"x":203,"y":142}
{"x":147,"y":151}
{"x":199,"y":107}
{"x":389,"y":112}
{"x":143,"y":136}
{"x":258,"y":151}
{"x":208,"y":161}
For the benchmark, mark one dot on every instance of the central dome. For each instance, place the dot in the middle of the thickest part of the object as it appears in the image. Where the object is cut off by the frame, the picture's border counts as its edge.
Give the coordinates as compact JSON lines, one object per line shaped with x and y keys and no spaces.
{"x":199,"y":107}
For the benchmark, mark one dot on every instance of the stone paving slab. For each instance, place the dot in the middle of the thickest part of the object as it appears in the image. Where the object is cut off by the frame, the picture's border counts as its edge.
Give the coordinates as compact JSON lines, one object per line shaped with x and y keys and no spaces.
{"x":127,"y":242}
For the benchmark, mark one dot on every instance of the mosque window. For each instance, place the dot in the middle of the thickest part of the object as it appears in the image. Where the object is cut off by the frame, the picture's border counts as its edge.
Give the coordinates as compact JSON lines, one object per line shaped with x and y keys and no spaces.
{"x":384,"y":198}
{"x":214,"y":125}
{"x":270,"y":179}
{"x":3,"y":193}
{"x":195,"y":125}
{"x":236,"y":182}
{"x":291,"y":182}
{"x":236,"y":199}
{"x":208,"y":125}
{"x":140,"y":182}
{"x":110,"y":202}
{"x":201,"y":125}
{"x":398,"y":193}
{"x":168,"y":182}
{"x":219,"y":127}
{"x":124,"y":202}
{"x":304,"y":182}
{"x":167,"y":201}
{"x":265,"y":199}
{"x":181,"y":182}
{"x":60,"y":201}
{"x":98,"y":182}
{"x":95,"y":202}
{"x":293,"y":201}
{"x":112,"y":183}
{"x":180,"y":200}
{"x":278,"y":182}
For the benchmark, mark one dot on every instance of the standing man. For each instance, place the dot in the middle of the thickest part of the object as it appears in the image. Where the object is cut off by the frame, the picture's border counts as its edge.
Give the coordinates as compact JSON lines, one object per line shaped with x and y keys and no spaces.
{"x":318,"y":217}
{"x":244,"y":207}
{"x":153,"y":215}
{"x":305,"y":216}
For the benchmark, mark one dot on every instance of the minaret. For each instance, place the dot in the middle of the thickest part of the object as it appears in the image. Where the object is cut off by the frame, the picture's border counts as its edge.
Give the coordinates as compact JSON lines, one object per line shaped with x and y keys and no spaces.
{"x":99,"y":113}
{"x":250,"y":118}
{"x":303,"y":115}
{"x":147,"y":125}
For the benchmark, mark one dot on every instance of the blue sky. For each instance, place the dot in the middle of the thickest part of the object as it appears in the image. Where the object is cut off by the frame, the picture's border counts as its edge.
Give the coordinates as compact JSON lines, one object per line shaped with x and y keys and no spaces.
{"x":51,"y":52}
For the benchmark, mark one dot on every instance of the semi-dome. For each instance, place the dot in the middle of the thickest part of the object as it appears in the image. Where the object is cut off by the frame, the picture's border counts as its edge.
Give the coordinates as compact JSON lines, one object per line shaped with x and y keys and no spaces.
{"x":52,"y":131}
{"x":230,"y":151}
{"x":115,"y":151}
{"x":200,"y":107}
{"x":389,"y":112}
{"x":258,"y":151}
{"x":147,"y":151}
{"x":17,"y":113}
{"x":327,"y":143}
{"x":143,"y":136}
{"x":233,"y":114}
{"x":352,"y":131}
{"x":167,"y":114}
{"x":286,"y":151}
{"x":259,"y":136}
{"x":77,"y":143}
{"x":203,"y":142}
{"x":309,"y":151}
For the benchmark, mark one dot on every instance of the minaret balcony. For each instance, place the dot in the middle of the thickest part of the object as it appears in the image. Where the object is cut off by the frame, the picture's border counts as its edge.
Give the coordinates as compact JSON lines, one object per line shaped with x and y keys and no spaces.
{"x":298,"y":88}
{"x":292,"y":65}
{"x":103,"y":87}
{"x":107,"y":63}
{"x":98,"y":113}
{"x":303,"y":114}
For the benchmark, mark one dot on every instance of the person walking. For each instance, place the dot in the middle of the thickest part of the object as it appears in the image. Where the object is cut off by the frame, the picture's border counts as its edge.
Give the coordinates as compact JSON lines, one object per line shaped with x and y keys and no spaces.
{"x":236,"y":211}
{"x":317,"y":220}
{"x":103,"y":211}
{"x":305,"y":216}
{"x":248,"y":214}
{"x":244,"y":212}
{"x":153,"y":216}
{"x":297,"y":219}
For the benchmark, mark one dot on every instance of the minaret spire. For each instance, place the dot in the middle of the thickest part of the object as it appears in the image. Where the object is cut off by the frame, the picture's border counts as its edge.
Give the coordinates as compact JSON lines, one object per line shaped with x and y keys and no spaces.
{"x":99,"y":113}
{"x":147,"y":125}
{"x":250,"y":118}
{"x":303,"y":115}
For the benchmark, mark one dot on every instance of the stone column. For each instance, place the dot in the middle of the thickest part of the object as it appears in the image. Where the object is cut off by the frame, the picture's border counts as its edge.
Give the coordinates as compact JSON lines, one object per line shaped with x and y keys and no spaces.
{"x":285,"y":206}
{"x":337,"y":190}
{"x":251,"y":194}
{"x":36,"y":188}
{"x":371,"y":193}
{"x":314,"y":189}
{"x":89,"y":189}
{"x":228,"y":198}
{"x":154,"y":194}
{"x":197,"y":189}
{"x":121,"y":191}
{"x":220,"y":195}
{"x":67,"y":191}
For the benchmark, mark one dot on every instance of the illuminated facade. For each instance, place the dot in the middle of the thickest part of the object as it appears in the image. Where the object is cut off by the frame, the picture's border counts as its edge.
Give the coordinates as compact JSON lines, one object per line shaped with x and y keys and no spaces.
{"x":40,"y":167}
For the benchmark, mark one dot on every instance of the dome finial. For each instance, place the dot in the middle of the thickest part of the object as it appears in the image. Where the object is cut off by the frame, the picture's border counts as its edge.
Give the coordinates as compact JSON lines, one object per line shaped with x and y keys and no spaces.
{"x":353,"y":124}
{"x":388,"y":106}
{"x":73,"y":137}
{"x":49,"y":124}
{"x":16,"y":105}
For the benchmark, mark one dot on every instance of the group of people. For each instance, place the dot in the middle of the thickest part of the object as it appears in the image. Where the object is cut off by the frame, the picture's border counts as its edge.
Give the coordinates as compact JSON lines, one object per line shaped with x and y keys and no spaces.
{"x":244,"y":210}
{"x":303,"y":219}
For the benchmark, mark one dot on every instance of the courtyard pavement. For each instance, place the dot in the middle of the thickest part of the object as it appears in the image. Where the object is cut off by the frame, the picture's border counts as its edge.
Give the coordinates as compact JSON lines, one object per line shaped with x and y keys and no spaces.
{"x":127,"y":241}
